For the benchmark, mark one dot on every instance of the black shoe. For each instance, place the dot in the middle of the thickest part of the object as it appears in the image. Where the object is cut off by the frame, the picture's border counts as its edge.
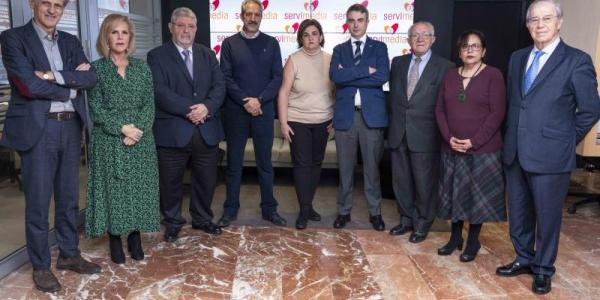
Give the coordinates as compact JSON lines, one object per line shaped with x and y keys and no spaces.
{"x":400,"y":229}
{"x":171,"y":234}
{"x":417,"y":237}
{"x":449,"y":248}
{"x":45,"y":281}
{"x":209,"y":228}
{"x":513,"y":269}
{"x":134,"y":245}
{"x":313,"y":215}
{"x":116,"y":249}
{"x":469,"y":256}
{"x":226,"y":220}
{"x":340,"y":221}
{"x":77,"y":264}
{"x":275,"y":218}
{"x":377,"y":222}
{"x":301,"y":223}
{"x":542,"y":284}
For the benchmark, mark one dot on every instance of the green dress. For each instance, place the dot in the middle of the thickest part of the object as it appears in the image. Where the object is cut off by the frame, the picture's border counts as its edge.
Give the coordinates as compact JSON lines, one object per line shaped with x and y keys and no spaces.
{"x":122,"y":193}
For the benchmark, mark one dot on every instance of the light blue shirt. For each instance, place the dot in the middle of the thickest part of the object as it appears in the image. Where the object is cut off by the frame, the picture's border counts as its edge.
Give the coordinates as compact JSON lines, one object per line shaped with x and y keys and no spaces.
{"x":544,"y":58}
{"x":424,"y":60}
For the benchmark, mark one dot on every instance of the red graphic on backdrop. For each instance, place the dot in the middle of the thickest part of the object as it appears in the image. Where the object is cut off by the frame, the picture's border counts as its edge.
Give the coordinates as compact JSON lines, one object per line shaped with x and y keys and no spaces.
{"x":345,"y":27}
{"x":292,"y":28}
{"x":390,"y":29}
{"x":365,"y":3}
{"x":217,"y":49}
{"x":265,"y":4}
{"x":409,"y":6}
{"x":312,"y":5}
{"x":214,"y":5}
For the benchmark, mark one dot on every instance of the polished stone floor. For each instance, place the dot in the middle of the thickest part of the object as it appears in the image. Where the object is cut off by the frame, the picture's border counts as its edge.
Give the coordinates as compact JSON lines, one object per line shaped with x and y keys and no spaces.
{"x":261,"y":262}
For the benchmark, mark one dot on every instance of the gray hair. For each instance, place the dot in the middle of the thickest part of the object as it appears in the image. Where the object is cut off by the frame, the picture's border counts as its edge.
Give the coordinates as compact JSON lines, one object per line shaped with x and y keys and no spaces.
{"x":557,"y":8}
{"x":65,"y":2}
{"x":428,"y":24}
{"x":246,"y":2}
{"x":183,"y":12}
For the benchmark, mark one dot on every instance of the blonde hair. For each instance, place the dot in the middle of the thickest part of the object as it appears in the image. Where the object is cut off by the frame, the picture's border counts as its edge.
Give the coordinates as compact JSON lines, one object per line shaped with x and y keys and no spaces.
{"x":109,"y":23}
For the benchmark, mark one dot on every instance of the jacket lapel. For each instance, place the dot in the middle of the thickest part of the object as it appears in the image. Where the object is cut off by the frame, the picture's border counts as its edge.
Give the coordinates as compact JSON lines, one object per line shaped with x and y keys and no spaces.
{"x":427,"y":73}
{"x":62,"y":48}
{"x":35,"y":45}
{"x":404,"y":65}
{"x":176,"y":56}
{"x":368,"y":47}
{"x":551,"y":64}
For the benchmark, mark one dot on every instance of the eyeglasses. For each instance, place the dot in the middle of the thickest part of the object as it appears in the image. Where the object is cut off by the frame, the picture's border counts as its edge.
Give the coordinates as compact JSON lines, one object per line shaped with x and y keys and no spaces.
{"x":416,"y":36}
{"x":545,"y":20}
{"x":473,"y":47}
{"x":182,"y":26}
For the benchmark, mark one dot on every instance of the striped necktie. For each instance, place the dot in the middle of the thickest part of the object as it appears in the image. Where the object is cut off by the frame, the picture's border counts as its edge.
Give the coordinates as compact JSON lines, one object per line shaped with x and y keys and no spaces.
{"x":533,"y":71}
{"x":413,"y":77}
{"x":188,"y":62}
{"x":357,"y":53}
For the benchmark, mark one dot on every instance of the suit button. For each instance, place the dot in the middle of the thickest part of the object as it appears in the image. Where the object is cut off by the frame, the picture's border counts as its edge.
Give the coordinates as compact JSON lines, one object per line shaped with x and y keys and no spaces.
{"x":195,"y":94}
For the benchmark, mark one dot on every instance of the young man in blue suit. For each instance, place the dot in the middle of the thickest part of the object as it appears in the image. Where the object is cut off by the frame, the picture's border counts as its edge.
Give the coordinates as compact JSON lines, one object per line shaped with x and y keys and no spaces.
{"x":48,"y":71}
{"x":189,"y":90}
{"x":553,"y":102}
{"x":359,"y":68}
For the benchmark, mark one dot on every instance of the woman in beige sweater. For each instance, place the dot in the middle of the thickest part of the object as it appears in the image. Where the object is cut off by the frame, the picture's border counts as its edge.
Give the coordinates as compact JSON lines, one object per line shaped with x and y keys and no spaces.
{"x":305,"y":107}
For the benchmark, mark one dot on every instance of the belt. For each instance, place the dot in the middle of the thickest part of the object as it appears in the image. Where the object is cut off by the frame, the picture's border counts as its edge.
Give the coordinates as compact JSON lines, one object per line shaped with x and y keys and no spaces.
{"x":357,"y":108}
{"x":62,"y":116}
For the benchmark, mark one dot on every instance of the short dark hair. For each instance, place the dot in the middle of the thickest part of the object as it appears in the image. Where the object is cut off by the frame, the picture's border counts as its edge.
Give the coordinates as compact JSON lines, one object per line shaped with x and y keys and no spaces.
{"x":359,"y":8}
{"x":463,"y":38}
{"x":305,"y":24}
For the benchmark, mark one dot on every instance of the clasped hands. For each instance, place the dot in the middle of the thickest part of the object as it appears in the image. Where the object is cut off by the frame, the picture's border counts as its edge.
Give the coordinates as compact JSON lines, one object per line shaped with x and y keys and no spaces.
{"x":252,"y":106}
{"x":460,"y":145}
{"x":198,"y":114}
{"x":132,"y":134}
{"x":50,"y":77}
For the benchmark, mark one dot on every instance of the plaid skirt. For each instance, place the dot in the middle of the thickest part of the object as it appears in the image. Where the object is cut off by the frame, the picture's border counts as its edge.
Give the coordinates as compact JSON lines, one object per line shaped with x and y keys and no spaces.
{"x":472,"y":188}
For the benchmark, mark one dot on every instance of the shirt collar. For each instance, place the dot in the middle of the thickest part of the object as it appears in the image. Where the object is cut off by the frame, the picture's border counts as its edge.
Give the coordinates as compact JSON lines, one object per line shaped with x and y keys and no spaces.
{"x":548,"y":49}
{"x":424,"y":57}
{"x":180,"y":49}
{"x":363,"y":39}
{"x":44,"y":35}
{"x":245,"y":35}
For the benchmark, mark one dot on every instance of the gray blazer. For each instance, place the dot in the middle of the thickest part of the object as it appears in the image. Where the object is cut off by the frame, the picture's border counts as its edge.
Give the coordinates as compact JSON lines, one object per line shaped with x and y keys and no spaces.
{"x":415,"y":118}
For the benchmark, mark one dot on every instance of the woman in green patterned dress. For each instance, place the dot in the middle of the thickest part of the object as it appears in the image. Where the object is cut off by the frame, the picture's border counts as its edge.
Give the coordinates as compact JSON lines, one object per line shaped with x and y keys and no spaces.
{"x":122,"y":195}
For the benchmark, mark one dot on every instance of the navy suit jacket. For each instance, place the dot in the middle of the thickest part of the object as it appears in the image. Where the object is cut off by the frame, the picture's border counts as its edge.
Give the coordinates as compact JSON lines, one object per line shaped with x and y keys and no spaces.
{"x":350,"y":78}
{"x":544,"y":126}
{"x":22,"y":54}
{"x":175,"y":92}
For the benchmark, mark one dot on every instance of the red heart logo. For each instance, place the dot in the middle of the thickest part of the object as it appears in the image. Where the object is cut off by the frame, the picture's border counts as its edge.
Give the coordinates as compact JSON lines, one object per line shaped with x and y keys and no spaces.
{"x":295,"y":26}
{"x":395,"y":27}
{"x":315,"y":4}
{"x":217,"y":49}
{"x":265,"y":4}
{"x":345,"y":27}
{"x":215,"y":4}
{"x":365,"y":3}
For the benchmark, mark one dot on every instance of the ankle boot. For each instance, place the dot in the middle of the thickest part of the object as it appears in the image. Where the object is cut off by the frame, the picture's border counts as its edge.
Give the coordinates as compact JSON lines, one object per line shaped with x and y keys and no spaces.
{"x":116,"y":249}
{"x":473,"y":244}
{"x":134,"y":245}
{"x":456,"y":240}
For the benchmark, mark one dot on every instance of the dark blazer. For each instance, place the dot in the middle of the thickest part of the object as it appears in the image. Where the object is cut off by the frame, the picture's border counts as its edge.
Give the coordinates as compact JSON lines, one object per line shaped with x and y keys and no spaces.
{"x":175,"y":92}
{"x":349,"y":78}
{"x":544,"y":126}
{"x":22,"y":54}
{"x":416,"y":118}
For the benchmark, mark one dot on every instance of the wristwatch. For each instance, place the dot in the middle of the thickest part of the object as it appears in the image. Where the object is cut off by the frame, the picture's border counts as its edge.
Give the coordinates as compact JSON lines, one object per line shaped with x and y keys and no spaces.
{"x":46,"y":76}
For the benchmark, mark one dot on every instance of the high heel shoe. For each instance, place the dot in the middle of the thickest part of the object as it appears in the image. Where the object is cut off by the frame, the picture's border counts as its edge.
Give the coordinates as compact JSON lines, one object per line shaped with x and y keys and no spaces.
{"x":469,"y":256}
{"x":116,"y":249}
{"x":448,"y":248}
{"x":134,"y":245}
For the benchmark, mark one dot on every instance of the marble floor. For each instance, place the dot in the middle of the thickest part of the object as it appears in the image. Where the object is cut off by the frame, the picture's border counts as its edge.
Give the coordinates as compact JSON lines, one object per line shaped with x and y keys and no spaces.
{"x":262,"y":262}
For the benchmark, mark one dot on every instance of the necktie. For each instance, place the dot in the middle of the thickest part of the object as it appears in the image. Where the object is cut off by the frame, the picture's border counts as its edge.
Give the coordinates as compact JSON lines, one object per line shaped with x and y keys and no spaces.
{"x":413,"y":77}
{"x":357,"y":54}
{"x":533,"y":70}
{"x":188,"y":62}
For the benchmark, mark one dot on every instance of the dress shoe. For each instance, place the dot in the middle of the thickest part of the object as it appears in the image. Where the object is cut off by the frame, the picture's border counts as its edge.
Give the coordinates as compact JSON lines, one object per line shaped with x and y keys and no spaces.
{"x":116,"y":249}
{"x":171,"y":234}
{"x":226,"y":220}
{"x":417,"y":237}
{"x":377,"y":222}
{"x":400,"y":229}
{"x":313,"y":215}
{"x":134,"y":245}
{"x":77,"y":264}
{"x":449,"y":248}
{"x":469,"y":256}
{"x":275,"y":218}
{"x":513,"y":269}
{"x":542,"y":284}
{"x":209,"y":228}
{"x":45,"y":281}
{"x":340,"y":221}
{"x":301,"y":223}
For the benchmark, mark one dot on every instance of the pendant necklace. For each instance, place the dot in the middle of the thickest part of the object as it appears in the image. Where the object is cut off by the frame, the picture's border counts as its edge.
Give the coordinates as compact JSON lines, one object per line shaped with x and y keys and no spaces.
{"x":462,"y":94}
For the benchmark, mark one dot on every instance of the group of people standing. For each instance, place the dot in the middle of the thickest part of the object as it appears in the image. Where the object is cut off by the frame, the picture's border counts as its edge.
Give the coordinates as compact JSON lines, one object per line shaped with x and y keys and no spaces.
{"x":151,"y":120}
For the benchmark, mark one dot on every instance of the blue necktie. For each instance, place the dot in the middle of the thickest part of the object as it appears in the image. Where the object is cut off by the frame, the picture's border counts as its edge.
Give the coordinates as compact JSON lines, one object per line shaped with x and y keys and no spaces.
{"x":357,"y":53}
{"x":188,"y":62}
{"x":533,"y":70}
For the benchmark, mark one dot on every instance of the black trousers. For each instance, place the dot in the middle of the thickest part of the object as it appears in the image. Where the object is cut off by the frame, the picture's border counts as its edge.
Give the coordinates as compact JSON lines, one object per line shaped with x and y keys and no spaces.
{"x":172,"y":163}
{"x":307,"y":150}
